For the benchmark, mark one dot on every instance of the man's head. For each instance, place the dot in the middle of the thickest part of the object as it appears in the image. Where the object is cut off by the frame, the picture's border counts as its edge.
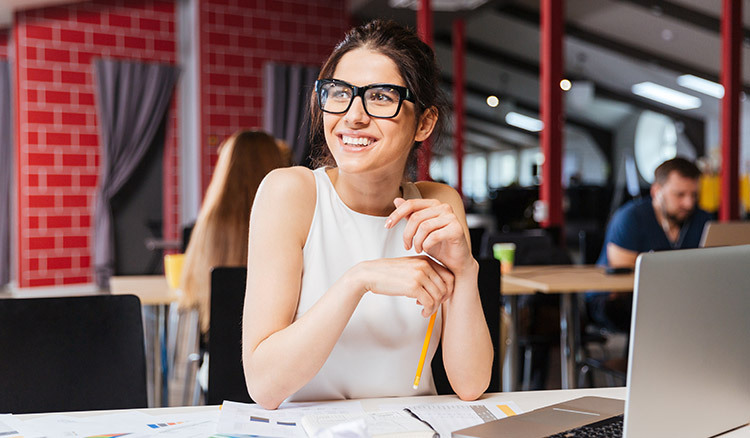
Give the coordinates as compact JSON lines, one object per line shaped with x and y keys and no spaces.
{"x":675,"y":189}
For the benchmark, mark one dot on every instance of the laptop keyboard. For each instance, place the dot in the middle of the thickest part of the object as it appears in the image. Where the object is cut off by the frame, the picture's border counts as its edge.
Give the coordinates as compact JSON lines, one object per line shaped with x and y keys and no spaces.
{"x":608,"y":428}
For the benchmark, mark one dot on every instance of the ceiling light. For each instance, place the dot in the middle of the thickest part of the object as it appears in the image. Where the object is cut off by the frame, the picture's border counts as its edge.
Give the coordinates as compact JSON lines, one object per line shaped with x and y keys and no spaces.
{"x":565,"y":84}
{"x":665,"y":95}
{"x":523,"y":122}
{"x":701,"y":85}
{"x":493,"y":101}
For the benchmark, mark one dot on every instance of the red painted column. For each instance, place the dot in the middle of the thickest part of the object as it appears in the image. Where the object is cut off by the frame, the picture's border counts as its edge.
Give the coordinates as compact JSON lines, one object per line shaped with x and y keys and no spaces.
{"x":459,"y":50}
{"x":424,"y":30}
{"x":731,"y":60}
{"x":551,"y":66}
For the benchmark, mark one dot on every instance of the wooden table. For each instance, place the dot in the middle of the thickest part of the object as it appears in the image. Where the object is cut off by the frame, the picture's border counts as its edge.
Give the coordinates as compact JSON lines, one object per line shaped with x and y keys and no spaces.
{"x":565,"y":280}
{"x":155,"y":293}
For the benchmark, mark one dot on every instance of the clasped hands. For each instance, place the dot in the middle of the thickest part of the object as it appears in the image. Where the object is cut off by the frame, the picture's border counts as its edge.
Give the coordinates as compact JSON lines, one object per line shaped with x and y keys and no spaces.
{"x":432,"y":227}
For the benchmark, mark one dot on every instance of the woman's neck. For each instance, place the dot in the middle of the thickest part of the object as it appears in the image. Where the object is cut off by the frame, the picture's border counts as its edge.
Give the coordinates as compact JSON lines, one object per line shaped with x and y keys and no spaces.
{"x":367,"y":194}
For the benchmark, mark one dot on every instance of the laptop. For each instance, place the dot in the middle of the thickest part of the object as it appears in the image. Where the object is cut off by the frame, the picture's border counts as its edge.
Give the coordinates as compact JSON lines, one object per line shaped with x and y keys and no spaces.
{"x":688,"y":368}
{"x":725,"y":234}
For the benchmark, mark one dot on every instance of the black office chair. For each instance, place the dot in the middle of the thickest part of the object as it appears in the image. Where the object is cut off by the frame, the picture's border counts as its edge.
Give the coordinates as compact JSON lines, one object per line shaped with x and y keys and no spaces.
{"x":540,"y":332}
{"x":530,"y":244}
{"x":226,"y":378}
{"x":72,"y":354}
{"x":489,"y":294}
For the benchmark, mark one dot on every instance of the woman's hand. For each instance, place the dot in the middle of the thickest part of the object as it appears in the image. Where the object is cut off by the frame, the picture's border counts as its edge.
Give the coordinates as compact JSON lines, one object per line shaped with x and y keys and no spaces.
{"x":433,"y":227}
{"x":417,"y":277}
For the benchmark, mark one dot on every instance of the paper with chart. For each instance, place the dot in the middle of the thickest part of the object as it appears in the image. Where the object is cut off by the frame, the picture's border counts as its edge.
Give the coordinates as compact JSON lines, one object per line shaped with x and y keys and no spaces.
{"x":380,"y":423}
{"x":7,"y":430}
{"x":448,"y":417}
{"x":284,"y":422}
{"x":130,"y":424}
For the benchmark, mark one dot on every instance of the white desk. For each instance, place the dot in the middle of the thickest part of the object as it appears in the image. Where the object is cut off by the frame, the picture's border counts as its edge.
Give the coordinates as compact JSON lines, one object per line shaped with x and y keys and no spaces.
{"x":527,"y":401}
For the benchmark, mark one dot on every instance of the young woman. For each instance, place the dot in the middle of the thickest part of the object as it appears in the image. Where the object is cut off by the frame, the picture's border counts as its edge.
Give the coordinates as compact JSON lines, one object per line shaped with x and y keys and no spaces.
{"x":219,"y":237}
{"x":347,"y":263}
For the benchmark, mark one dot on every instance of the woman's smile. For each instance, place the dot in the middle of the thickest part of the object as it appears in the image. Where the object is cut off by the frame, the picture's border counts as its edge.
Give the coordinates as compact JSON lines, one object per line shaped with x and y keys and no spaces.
{"x":354,"y":142}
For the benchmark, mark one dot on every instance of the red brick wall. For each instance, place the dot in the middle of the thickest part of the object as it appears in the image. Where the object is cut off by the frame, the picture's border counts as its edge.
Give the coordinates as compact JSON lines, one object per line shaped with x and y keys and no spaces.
{"x":4,"y":41}
{"x":57,"y":135}
{"x":237,"y":38}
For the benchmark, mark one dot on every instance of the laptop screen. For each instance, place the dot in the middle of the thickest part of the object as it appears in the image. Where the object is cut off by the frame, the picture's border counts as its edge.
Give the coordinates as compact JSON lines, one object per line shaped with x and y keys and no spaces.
{"x":689,"y":353}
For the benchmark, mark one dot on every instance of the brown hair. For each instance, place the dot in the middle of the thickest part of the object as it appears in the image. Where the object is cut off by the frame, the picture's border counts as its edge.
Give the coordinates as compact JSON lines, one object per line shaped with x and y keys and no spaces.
{"x":220,"y":236}
{"x":685,"y":168}
{"x":415,"y":61}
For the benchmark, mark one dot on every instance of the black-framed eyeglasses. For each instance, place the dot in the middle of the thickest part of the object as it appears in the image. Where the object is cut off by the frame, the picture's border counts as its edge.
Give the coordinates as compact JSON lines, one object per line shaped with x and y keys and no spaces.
{"x":379,"y":100}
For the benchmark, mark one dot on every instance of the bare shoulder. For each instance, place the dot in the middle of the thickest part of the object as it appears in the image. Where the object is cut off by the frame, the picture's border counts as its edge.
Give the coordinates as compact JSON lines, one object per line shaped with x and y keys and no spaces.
{"x":441,"y":192}
{"x":286,"y":197}
{"x":288,"y":185}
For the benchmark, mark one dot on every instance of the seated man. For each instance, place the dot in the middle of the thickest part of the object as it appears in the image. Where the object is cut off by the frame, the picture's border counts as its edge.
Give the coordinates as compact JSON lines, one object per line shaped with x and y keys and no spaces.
{"x":668,"y":219}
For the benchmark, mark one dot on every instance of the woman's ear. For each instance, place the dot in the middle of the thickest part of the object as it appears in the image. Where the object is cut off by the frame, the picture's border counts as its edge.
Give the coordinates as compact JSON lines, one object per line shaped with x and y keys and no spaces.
{"x":426,"y":124}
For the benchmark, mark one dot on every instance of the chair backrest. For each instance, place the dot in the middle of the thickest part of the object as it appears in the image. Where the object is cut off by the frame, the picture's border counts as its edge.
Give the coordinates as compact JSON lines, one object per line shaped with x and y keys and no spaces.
{"x":72,"y":354}
{"x":489,"y":293}
{"x":529,"y":244}
{"x":226,"y":378}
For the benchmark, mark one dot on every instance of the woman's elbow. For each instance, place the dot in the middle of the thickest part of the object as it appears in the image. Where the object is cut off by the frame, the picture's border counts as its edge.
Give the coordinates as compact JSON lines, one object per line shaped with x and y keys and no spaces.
{"x":257,"y":386}
{"x":472,"y":390}
{"x":261,"y":394}
{"x":266,"y":401}
{"x":475,"y":385}
{"x":471,"y":394}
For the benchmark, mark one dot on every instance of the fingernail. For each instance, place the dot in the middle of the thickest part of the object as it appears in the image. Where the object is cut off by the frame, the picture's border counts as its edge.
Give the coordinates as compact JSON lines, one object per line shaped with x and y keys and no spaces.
{"x":388,"y":223}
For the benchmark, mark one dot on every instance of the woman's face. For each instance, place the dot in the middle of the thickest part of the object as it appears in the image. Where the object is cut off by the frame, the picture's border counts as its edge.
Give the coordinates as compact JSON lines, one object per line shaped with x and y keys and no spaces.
{"x":360,"y":143}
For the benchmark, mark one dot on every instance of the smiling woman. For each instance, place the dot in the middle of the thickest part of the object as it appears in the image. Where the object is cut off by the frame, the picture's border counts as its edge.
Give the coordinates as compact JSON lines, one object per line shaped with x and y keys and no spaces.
{"x":339,"y":256}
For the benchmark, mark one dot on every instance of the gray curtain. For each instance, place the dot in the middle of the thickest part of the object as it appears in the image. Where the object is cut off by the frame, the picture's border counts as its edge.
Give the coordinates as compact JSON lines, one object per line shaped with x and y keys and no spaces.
{"x":6,"y":158}
{"x":286,"y":100}
{"x":133,"y":99}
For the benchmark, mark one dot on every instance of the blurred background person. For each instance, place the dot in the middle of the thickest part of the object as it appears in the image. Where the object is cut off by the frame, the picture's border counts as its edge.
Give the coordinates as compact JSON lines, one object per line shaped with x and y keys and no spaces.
{"x":220,"y":235}
{"x":669,"y":219}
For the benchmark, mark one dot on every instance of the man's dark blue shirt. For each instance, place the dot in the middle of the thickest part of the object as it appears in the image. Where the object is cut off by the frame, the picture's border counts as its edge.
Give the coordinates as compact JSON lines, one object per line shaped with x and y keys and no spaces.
{"x":634,"y":227}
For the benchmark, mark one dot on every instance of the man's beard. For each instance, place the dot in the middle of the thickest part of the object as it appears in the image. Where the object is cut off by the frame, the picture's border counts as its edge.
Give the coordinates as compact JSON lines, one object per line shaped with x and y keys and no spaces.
{"x":677,"y":220}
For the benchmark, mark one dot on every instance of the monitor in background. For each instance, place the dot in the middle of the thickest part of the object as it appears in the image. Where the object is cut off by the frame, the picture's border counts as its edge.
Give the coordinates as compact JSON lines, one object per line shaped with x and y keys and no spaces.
{"x":688,"y":372}
{"x":725,"y":234}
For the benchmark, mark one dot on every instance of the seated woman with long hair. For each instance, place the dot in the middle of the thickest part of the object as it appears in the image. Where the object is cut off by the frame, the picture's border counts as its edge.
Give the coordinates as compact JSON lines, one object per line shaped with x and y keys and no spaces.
{"x":220,"y":235}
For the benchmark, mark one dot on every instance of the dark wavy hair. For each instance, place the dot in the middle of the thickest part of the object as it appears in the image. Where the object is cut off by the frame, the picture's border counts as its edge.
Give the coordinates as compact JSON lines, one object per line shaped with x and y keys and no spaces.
{"x":416,"y":63}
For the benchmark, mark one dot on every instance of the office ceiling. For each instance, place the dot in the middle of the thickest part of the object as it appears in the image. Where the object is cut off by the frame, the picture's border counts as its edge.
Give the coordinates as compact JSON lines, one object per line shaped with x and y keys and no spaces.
{"x":609,"y":46}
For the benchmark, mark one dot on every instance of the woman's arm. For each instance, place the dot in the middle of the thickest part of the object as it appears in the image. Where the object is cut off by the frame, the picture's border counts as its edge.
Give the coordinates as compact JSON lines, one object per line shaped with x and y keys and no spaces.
{"x":277,"y":355}
{"x":437,"y":225}
{"x":281,"y":355}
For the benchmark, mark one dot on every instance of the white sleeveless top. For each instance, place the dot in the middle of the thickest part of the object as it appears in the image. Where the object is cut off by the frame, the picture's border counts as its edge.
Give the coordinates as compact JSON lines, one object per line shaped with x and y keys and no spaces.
{"x":378,"y":351}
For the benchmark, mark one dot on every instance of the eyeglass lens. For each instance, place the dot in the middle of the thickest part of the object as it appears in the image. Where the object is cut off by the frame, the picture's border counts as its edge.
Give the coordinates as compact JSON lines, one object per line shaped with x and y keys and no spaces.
{"x":381,"y":101}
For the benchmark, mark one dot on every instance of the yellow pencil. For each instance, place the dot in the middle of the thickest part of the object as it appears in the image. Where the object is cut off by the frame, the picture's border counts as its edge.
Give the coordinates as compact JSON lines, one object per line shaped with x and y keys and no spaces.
{"x":422,"y":357}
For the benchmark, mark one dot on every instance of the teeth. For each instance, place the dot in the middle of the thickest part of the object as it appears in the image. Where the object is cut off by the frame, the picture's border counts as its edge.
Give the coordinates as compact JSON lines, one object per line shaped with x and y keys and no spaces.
{"x":358,"y":141}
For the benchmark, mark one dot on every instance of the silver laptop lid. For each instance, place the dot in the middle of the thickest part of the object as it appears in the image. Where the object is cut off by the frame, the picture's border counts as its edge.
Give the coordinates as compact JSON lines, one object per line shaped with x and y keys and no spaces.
{"x":725,"y":234}
{"x":689,"y":361}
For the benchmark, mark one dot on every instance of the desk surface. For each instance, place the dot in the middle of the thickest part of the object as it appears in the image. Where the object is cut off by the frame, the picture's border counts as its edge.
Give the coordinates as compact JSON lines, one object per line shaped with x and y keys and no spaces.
{"x":151,"y":289}
{"x":523,"y":280}
{"x":527,"y":401}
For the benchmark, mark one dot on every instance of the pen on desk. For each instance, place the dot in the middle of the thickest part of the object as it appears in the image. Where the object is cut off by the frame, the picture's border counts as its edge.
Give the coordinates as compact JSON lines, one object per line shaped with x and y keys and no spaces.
{"x":422,"y":356}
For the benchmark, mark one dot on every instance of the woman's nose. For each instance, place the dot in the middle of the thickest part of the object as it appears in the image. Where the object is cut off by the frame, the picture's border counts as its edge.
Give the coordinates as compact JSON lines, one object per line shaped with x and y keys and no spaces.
{"x":356,"y":114}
